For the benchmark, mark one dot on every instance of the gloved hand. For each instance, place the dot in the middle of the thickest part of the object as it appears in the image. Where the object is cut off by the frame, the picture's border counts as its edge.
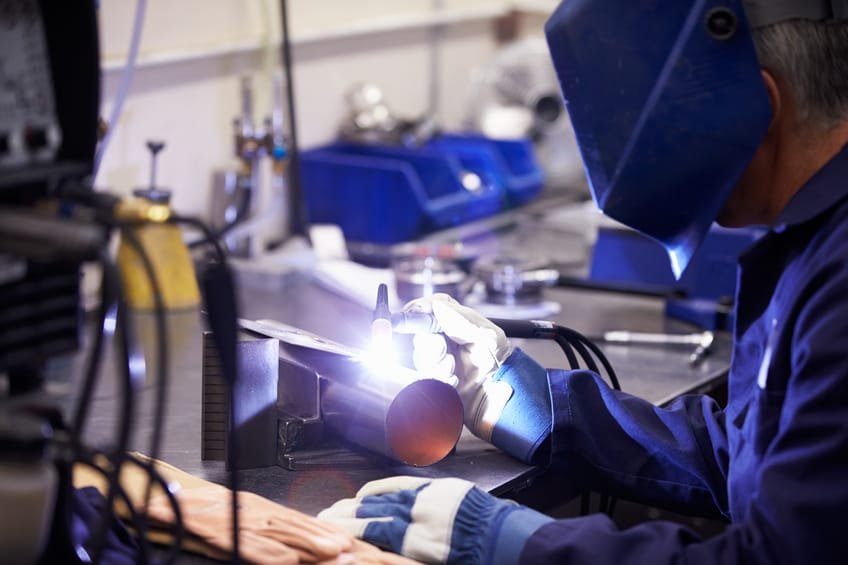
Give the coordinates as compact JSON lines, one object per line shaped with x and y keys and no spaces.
{"x":437,"y":520}
{"x":504,"y":392}
{"x":482,"y":347}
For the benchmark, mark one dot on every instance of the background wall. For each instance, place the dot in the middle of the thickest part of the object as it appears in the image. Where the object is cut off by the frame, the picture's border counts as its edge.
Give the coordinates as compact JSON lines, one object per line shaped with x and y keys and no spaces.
{"x":193,"y":53}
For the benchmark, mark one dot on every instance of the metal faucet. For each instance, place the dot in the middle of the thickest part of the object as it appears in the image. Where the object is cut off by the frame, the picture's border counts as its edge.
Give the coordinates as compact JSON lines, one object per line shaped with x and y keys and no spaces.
{"x":251,"y":145}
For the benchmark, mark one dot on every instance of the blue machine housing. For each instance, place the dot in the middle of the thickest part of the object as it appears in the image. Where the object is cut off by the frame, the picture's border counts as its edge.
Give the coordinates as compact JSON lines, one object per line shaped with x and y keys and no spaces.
{"x":706,"y":290}
{"x":667,"y":112}
{"x":389,"y":194}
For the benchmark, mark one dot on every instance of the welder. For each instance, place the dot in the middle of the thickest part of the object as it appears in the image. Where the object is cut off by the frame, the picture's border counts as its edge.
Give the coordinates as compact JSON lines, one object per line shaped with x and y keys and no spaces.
{"x":687,"y":112}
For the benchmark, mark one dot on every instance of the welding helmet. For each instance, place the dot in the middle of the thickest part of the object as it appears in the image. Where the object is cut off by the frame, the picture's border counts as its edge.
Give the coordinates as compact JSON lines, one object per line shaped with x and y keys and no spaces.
{"x":668,"y":104}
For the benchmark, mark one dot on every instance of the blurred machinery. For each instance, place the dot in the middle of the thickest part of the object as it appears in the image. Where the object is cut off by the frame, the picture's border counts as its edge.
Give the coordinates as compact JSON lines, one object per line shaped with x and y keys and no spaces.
{"x":249,"y":203}
{"x":371,"y":120}
{"x":49,"y":97}
{"x":51,"y":223}
{"x":630,"y":262}
{"x":516,"y":95}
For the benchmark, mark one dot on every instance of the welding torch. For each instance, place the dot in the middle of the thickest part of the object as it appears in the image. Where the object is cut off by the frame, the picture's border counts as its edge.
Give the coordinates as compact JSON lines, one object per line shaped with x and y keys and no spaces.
{"x":381,"y":321}
{"x":572,"y":343}
{"x":423,"y":322}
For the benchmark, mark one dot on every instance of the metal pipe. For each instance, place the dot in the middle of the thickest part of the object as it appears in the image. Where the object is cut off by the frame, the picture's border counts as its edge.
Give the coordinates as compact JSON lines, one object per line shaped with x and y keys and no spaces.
{"x":417,"y":423}
{"x":298,"y":221}
{"x":386,"y":409}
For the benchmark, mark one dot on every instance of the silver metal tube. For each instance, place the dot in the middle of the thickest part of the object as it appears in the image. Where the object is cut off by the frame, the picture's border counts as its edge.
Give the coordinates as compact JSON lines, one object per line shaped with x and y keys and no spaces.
{"x":386,"y":410}
{"x":416,"y":423}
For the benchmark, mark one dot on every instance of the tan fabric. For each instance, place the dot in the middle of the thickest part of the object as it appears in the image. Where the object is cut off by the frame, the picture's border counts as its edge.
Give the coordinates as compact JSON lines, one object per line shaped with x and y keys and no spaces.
{"x":268,"y":532}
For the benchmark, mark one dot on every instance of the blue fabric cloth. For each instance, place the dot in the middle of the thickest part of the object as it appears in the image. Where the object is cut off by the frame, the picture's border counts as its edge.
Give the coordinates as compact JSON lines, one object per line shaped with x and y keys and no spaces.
{"x":514,"y":531}
{"x":87,"y":512}
{"x":775,"y":462}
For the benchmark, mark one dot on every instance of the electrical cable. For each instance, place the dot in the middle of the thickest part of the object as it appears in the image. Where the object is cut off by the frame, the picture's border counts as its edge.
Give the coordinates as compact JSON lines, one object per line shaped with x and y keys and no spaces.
{"x":573,"y":336}
{"x":109,"y":294}
{"x":219,"y":233}
{"x":161,"y":338}
{"x":568,"y":351}
{"x":128,"y":368}
{"x":529,"y":329}
{"x":109,"y":283}
{"x":613,"y":377}
{"x":566,"y":347}
{"x":107,"y":298}
{"x":162,"y":352}
{"x":179,"y":527}
{"x":221,"y":308}
{"x":583,"y":345}
{"x":209,"y":236}
{"x":298,"y":214}
{"x":124,"y":85}
{"x":584,"y":355}
{"x":89,"y":457}
{"x":144,"y":556}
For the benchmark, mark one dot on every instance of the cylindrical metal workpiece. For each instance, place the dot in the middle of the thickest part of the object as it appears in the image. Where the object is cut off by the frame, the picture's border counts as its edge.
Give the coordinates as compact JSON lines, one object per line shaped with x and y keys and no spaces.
{"x":415,"y":422}
{"x":382,"y":406}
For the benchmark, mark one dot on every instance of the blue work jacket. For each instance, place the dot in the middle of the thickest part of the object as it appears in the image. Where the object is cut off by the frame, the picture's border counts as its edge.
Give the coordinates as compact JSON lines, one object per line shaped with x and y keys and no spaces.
{"x":774,"y":462}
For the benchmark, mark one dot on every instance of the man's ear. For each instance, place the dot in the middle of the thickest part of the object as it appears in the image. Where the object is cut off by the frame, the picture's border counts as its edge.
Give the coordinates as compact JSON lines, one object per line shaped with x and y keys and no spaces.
{"x":775,"y":97}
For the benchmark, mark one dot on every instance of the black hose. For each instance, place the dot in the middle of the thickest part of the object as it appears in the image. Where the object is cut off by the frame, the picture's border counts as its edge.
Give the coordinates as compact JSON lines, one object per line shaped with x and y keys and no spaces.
{"x":298,"y":221}
{"x":568,"y":351}
{"x":108,"y":295}
{"x":162,"y":352}
{"x":222,"y":320}
{"x":127,"y":410}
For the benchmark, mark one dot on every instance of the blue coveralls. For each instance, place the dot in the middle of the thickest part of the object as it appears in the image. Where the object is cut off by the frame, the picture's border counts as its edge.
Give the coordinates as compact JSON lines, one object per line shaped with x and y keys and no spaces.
{"x":775,"y":462}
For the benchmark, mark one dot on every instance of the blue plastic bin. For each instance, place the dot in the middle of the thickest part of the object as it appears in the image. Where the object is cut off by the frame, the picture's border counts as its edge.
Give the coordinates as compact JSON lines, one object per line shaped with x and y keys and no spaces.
{"x":389,"y":194}
{"x":513,"y":162}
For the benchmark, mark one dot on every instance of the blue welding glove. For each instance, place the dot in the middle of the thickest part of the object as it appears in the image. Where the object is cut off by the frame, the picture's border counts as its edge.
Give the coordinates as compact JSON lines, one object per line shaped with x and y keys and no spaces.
{"x":504,"y":392}
{"x":437,"y":520}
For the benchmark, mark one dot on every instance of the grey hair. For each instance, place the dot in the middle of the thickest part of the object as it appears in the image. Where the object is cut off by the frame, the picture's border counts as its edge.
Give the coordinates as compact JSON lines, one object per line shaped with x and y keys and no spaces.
{"x":812,"y":57}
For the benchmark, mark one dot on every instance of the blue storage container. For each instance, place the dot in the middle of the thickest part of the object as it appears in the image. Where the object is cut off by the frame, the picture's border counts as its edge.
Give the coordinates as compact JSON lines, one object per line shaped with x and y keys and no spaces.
{"x":513,"y":162}
{"x":389,"y":194}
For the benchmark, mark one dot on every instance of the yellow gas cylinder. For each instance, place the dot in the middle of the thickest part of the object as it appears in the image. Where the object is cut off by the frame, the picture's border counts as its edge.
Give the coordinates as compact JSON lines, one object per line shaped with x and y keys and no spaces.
{"x":164,"y":246}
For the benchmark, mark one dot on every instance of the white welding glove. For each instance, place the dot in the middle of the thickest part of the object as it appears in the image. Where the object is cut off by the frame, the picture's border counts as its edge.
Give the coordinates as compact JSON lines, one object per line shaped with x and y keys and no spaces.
{"x":437,"y":520}
{"x":478,"y":349}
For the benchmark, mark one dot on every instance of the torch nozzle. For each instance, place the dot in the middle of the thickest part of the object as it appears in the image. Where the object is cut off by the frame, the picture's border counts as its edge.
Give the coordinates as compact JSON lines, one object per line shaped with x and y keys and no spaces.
{"x":381,"y":310}
{"x":381,"y":322}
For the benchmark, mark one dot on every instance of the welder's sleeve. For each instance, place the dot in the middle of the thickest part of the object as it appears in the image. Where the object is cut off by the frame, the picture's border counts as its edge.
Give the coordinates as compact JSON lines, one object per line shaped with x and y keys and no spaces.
{"x":611,"y":442}
{"x":604,"y":440}
{"x":794,"y":509}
